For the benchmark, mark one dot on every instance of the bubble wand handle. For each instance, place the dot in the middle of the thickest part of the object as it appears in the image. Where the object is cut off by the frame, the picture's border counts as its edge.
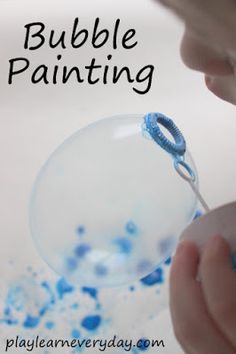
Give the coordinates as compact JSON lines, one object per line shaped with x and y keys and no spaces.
{"x":176,"y":149}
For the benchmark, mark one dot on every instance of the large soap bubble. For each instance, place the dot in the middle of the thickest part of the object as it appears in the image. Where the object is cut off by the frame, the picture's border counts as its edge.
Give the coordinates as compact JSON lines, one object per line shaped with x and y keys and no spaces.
{"x":108,"y":206}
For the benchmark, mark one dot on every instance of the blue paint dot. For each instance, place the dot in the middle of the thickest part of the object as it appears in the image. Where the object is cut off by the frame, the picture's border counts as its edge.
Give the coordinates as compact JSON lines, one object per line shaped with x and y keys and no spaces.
{"x":168,"y":261}
{"x":131,"y":228}
{"x":7,"y":311}
{"x":124,"y":244}
{"x":80,"y":230}
{"x":71,"y":264}
{"x":132,"y":288}
{"x":75,"y":306}
{"x":82,"y":249}
{"x":197,"y":214}
{"x":63,"y":288}
{"x":100,"y":270}
{"x":75,"y":334}
{"x":155,"y":277}
{"x":143,"y":344}
{"x":93,"y":292}
{"x":91,"y":322}
{"x":49,"y":325}
{"x":31,"y":322}
{"x":10,"y":321}
{"x":233,"y":259}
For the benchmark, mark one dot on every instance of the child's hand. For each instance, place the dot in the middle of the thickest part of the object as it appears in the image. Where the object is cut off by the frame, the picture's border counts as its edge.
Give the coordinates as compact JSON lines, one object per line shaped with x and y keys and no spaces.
{"x":208,"y":43}
{"x":204,"y":313}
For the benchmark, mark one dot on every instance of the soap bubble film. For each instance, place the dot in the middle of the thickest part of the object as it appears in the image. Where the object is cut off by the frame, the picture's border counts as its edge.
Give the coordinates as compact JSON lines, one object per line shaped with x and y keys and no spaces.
{"x":102,"y":204}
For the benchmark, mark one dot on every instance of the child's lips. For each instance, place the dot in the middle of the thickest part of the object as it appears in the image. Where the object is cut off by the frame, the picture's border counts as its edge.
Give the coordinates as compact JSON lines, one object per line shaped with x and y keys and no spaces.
{"x":218,"y":67}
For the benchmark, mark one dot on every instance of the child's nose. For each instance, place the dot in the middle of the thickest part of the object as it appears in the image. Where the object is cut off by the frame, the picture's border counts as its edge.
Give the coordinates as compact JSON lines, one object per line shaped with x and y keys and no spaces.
{"x":201,"y":57}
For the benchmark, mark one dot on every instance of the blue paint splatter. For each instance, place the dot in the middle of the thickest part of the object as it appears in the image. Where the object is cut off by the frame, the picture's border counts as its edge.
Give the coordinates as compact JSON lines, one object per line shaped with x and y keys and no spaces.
{"x":233,"y":260}
{"x":91,"y":322}
{"x":124,"y":244}
{"x":100,"y":270}
{"x":143,"y":344}
{"x":63,"y":288}
{"x":82,"y":249}
{"x":131,"y":228}
{"x":197,"y":214}
{"x":80,"y":230}
{"x":49,"y":325}
{"x":75,"y":333}
{"x":16,"y":298}
{"x":44,"y":309}
{"x":131,"y":288}
{"x":31,"y":321}
{"x":93,"y":292}
{"x":168,"y":261}
{"x":155,"y":277}
{"x":47,"y":287}
{"x":71,"y":264}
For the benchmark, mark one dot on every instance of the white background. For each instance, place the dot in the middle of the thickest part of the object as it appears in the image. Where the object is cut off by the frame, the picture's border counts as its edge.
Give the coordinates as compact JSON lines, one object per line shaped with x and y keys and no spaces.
{"x":34,"y":120}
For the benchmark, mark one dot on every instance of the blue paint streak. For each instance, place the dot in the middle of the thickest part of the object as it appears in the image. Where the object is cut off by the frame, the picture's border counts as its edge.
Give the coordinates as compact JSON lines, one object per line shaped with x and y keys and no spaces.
{"x":31,"y":321}
{"x":124,"y":244}
{"x":93,"y":292}
{"x":75,"y":333}
{"x":82,"y":249}
{"x":63,"y":288}
{"x":47,"y":287}
{"x":91,"y":322}
{"x":44,"y":309}
{"x":131,"y":228}
{"x":155,"y":277}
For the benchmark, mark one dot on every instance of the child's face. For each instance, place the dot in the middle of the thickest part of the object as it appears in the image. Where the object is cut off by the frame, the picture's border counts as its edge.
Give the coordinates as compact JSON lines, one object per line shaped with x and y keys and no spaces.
{"x":208,"y":44}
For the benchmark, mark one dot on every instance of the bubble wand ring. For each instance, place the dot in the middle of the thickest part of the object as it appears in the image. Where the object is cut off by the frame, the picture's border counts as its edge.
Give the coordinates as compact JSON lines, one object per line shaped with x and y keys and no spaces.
{"x":176,"y":150}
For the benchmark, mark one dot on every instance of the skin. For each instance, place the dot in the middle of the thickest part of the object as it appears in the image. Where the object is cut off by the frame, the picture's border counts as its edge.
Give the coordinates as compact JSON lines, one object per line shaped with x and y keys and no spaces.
{"x":204,"y":312}
{"x":208,"y":44}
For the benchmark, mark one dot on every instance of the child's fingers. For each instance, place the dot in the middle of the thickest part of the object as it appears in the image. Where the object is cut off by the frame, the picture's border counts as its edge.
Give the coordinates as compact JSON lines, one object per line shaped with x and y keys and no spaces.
{"x":193,"y":327}
{"x":219,"y":285}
